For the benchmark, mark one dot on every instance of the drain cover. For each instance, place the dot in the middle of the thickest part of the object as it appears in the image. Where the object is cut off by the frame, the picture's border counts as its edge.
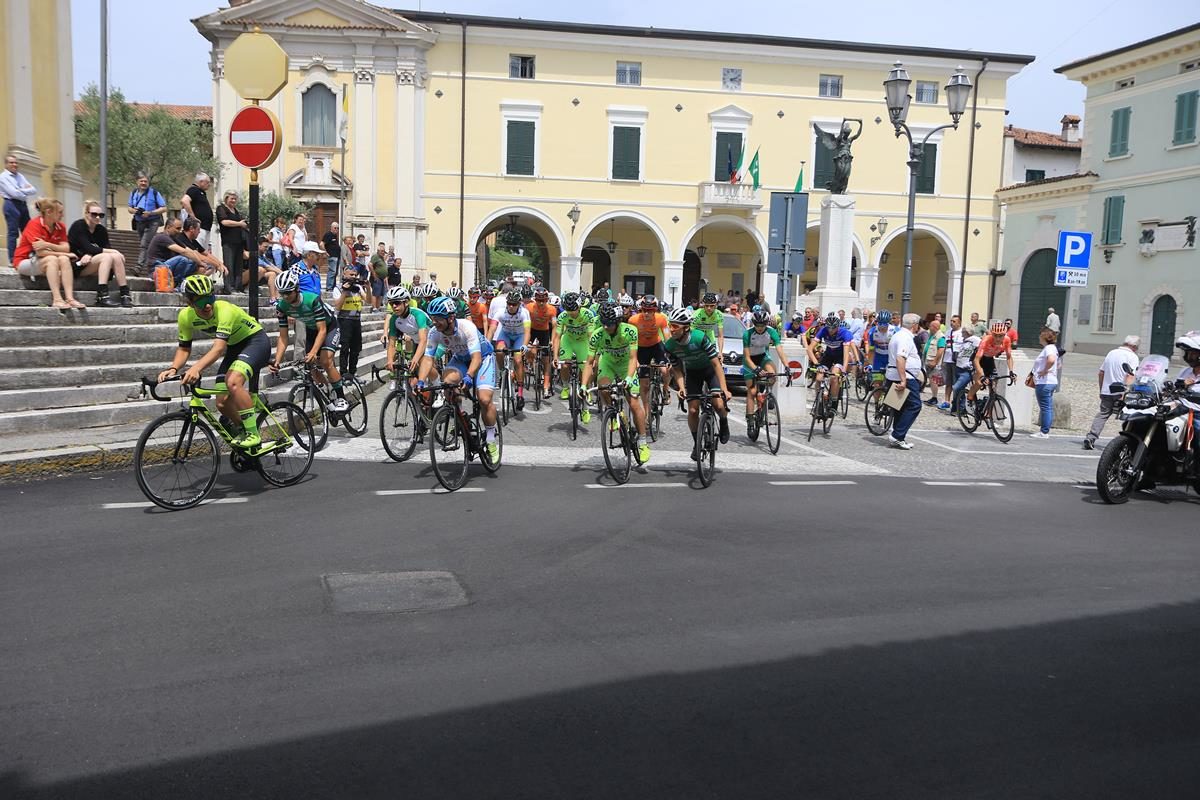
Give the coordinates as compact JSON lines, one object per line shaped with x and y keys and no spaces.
{"x":393,"y":592}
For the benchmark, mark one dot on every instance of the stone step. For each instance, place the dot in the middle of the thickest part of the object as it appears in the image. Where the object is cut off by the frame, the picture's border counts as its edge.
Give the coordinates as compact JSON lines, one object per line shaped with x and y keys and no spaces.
{"x":12,"y":280}
{"x":39,"y":297}
{"x":148,"y":332}
{"x":70,"y":354}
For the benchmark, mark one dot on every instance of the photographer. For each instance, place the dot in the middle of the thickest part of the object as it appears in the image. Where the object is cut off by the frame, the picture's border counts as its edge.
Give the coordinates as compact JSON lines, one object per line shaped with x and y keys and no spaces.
{"x":148,"y":207}
{"x":349,"y":299}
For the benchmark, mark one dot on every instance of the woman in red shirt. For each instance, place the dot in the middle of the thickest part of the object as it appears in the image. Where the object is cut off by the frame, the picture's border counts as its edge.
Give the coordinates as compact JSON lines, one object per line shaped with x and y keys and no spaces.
{"x":43,"y":249}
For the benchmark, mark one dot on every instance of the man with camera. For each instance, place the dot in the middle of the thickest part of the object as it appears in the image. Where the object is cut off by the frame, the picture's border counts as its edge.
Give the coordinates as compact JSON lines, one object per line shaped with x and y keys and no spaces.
{"x":349,"y":298}
{"x":148,"y":207}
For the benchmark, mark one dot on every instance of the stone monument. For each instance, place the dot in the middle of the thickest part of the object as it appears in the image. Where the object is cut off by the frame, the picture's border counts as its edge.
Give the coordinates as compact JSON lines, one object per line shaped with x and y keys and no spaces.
{"x":837,"y":225}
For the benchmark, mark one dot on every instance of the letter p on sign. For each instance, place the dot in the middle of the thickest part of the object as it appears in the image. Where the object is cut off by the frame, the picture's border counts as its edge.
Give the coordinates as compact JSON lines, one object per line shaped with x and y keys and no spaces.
{"x":1074,"y":249}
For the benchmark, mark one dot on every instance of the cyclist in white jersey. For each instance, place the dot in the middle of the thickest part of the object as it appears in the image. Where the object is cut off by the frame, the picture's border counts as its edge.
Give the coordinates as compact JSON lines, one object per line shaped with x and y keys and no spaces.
{"x":471,"y":360}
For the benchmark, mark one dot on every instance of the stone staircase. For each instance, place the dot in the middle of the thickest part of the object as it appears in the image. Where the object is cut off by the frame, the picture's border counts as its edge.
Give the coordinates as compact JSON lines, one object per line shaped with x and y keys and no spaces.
{"x":72,"y":379}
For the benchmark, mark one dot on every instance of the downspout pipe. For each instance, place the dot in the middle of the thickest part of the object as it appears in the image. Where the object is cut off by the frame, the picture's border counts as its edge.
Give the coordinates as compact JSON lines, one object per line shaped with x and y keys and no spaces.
{"x":462,"y":161}
{"x":962,"y":275}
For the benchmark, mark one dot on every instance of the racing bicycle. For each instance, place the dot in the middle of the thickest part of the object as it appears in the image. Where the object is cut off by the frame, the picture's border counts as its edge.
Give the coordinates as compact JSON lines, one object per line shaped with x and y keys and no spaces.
{"x":766,"y":415}
{"x":315,"y":397}
{"x":457,"y":436}
{"x":618,"y":440}
{"x":991,"y":410}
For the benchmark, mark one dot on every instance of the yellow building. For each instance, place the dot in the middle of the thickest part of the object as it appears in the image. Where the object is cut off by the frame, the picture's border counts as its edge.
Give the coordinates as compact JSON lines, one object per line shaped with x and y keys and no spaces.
{"x":37,"y":122}
{"x":461,"y":126}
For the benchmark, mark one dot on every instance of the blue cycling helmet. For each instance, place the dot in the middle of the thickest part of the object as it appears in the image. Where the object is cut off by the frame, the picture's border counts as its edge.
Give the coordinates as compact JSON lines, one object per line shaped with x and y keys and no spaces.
{"x":884,"y":317}
{"x":442,"y":307}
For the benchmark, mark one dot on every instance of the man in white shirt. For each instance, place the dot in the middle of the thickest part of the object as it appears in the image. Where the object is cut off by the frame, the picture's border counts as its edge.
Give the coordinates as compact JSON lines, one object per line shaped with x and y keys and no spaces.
{"x":16,"y":191}
{"x":1112,"y":371}
{"x":1052,"y":321}
{"x":904,"y":366}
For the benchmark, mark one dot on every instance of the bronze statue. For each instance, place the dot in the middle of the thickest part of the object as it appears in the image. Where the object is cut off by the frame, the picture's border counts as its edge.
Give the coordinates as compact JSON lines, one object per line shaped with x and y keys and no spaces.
{"x":840,"y":145}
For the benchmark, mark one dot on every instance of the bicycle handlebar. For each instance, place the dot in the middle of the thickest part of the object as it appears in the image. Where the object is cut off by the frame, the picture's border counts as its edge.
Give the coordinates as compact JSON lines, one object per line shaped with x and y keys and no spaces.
{"x":150,"y":386}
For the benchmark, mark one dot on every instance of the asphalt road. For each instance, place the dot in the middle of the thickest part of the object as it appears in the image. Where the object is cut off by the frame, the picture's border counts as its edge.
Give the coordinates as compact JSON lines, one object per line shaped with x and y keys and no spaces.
{"x":873,"y":637}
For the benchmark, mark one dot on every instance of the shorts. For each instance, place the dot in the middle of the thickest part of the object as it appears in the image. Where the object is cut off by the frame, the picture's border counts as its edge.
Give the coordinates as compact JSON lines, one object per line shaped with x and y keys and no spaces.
{"x":701,"y":380}
{"x":28,"y":267}
{"x":377,"y":287}
{"x":948,"y":373}
{"x":572,"y":348}
{"x":616,"y":371}
{"x":485,"y":378}
{"x":987,"y":365}
{"x":762,"y":360}
{"x":540,"y":338}
{"x":247,"y":357}
{"x":831,"y":358}
{"x":655,"y":352}
{"x":513,"y":341}
{"x":880,"y":360}
{"x":333,"y":337}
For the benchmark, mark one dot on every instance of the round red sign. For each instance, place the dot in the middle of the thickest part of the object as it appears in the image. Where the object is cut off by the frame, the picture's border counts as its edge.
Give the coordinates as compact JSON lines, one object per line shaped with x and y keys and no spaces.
{"x":254,"y":137}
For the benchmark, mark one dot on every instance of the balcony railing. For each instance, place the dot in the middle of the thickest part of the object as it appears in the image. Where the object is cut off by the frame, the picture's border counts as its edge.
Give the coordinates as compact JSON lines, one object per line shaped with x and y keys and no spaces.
{"x":716,"y":196}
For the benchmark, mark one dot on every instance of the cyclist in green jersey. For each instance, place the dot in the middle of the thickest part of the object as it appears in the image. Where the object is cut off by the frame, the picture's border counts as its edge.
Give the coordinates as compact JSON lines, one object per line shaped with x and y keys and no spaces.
{"x":321,"y":333}
{"x":404,"y":320}
{"x":238,"y":342}
{"x":572,"y":339}
{"x":710,"y":321}
{"x":697,"y":369}
{"x":757,"y":342}
{"x":611,"y":350}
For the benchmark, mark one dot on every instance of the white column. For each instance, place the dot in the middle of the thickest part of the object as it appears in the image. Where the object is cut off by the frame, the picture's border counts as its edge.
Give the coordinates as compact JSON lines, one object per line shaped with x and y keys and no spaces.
{"x":67,"y":180}
{"x":363,"y":127}
{"x":868,"y":286}
{"x":19,"y":51}
{"x":568,"y":274}
{"x":955,"y":292}
{"x":468,"y":271}
{"x":672,"y":275}
{"x":405,"y":127}
{"x":837,"y":249}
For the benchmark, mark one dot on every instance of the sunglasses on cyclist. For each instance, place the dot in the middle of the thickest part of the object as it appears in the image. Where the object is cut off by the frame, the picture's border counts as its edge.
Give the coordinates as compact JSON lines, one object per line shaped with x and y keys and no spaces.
{"x":204,"y":302}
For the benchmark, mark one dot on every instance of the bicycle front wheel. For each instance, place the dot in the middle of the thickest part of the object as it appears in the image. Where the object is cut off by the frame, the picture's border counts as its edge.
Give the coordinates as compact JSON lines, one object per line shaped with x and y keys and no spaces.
{"x":176,"y":461}
{"x":289,"y":444}
{"x":449,"y":448}
{"x":617,"y":457}
{"x":706,"y":435}
{"x":878,"y":418}
{"x":506,"y":397}
{"x":654,"y":424}
{"x":399,"y":427}
{"x":1002,"y":419}
{"x":844,"y":397}
{"x":354,"y":420}
{"x":305,"y":397}
{"x":773,"y":427}
{"x":573,"y":407}
{"x":968,"y":415}
{"x":862,"y":388}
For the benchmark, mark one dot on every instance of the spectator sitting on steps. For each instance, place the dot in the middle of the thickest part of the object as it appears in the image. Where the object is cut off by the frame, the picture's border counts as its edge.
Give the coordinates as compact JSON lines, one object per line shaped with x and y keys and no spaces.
{"x":267,"y":270}
{"x":95,"y":256}
{"x":42,"y":248}
{"x":180,"y":251}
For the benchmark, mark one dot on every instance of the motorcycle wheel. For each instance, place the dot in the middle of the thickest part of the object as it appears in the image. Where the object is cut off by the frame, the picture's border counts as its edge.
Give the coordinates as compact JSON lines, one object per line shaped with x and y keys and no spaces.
{"x":1115,"y":474}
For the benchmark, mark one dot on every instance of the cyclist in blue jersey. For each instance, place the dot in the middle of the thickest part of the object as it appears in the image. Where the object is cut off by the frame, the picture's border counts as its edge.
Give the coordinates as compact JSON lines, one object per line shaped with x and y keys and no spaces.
{"x":838,"y":353}
{"x":879,"y":336}
{"x":472,"y":361}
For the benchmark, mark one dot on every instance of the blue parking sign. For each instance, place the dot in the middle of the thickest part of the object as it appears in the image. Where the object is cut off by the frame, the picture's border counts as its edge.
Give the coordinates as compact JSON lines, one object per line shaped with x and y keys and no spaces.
{"x":1074,"y":249}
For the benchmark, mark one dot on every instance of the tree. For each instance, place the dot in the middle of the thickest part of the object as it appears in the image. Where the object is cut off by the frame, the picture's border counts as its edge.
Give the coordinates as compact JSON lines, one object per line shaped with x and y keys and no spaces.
{"x":145,"y":139}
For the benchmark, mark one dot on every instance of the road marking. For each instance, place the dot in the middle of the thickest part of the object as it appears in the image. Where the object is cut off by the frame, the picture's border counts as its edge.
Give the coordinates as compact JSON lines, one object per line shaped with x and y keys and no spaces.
{"x":786,"y":440}
{"x":813,"y":483}
{"x":213,"y":502}
{"x":1084,"y":486}
{"x":434,"y":490}
{"x":635,"y":486}
{"x":999,"y":452}
{"x":961,"y":483}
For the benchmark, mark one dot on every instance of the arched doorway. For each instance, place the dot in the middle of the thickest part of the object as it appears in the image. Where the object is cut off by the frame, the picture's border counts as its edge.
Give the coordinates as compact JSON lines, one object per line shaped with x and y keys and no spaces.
{"x":635,"y":249}
{"x":690,"y":291}
{"x":517,"y":240}
{"x":1038,"y":293}
{"x":1162,"y":326}
{"x":601,"y":268}
{"x":932,"y":269}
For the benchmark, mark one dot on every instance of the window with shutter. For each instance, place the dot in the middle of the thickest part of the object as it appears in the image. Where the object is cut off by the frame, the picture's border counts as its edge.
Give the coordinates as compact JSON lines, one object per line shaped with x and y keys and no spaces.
{"x":1118,"y":142}
{"x":927,"y":172}
{"x":729,"y":147}
{"x":521,"y":136}
{"x":1185,"y":118}
{"x":822,"y":166}
{"x":1114,"y":216}
{"x":626,"y":149}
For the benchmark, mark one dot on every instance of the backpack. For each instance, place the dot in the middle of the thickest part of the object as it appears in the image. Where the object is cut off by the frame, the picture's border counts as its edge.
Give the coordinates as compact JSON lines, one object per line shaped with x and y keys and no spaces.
{"x":164,"y":281}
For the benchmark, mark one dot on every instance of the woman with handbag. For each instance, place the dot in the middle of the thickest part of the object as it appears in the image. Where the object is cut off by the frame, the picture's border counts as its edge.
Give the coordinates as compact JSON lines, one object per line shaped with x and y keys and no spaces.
{"x":1045,"y":381}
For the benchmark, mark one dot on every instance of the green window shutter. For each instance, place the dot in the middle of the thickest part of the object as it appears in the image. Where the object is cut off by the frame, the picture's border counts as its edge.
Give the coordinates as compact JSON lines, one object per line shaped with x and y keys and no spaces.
{"x":1118,"y":142}
{"x":726,"y":143}
{"x":1185,"y":118}
{"x":823,"y":168}
{"x":520,"y":148}
{"x":626,"y":164}
{"x":927,"y":172}
{"x":1114,"y":216}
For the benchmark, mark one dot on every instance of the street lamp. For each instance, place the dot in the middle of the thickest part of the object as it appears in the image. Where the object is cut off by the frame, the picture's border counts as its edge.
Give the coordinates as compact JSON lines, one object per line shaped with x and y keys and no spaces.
{"x":574,"y":215}
{"x":958,"y":90}
{"x":880,"y":227}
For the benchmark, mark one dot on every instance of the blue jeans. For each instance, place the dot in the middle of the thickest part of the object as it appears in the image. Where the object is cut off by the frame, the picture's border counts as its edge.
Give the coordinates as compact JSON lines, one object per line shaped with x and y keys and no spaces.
{"x":332,"y":275}
{"x":181,"y":267}
{"x":963,"y":380}
{"x":1045,"y":398}
{"x":909,"y":412}
{"x":16,"y":217}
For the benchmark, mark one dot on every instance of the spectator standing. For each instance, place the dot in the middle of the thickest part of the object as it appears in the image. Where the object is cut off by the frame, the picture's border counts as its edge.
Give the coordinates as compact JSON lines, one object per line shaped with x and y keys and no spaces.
{"x":855,"y":325}
{"x":394,"y":276}
{"x":379,"y":270}
{"x":362,"y":252}
{"x":1053,"y":322}
{"x":148,"y":207}
{"x":300,"y":239}
{"x":16,"y":191}
{"x":1110,"y":372}
{"x":279,"y":250}
{"x":904,"y":367}
{"x":43,"y":249}
{"x":94,"y":255}
{"x":978,"y":327}
{"x":332,"y":246}
{"x":349,"y":301}
{"x":195,"y":205}
{"x":1045,"y":376}
{"x":934,"y":351}
{"x":234,"y":228}
{"x":949,"y":374}
{"x":1012,"y":332}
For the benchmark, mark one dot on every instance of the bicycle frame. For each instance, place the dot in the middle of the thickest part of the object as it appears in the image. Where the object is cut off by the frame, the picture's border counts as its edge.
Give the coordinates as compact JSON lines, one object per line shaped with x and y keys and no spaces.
{"x":200,"y":410}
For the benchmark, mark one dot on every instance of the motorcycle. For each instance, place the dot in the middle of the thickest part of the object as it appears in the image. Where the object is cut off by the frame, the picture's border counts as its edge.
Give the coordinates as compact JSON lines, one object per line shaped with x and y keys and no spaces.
{"x":1155,"y":445}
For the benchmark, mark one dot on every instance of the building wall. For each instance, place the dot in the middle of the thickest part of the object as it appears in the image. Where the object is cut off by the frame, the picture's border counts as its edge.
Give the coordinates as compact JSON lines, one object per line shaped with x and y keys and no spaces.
{"x":1054,"y":162}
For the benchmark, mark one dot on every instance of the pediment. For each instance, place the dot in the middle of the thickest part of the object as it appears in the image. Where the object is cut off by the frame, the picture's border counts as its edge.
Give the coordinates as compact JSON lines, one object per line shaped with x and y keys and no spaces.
{"x":332,"y":14}
{"x":731,"y":113}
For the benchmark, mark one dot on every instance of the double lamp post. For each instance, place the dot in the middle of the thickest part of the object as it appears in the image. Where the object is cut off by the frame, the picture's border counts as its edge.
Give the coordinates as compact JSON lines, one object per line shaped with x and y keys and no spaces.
{"x":958,"y":90}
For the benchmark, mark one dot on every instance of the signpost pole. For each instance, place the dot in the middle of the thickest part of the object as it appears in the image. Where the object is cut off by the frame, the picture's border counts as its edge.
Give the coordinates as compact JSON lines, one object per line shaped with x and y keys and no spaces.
{"x":785,"y":275}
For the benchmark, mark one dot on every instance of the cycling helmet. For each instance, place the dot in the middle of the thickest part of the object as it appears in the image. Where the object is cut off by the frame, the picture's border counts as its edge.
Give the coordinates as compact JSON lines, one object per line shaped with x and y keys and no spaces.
{"x":600,"y":295}
{"x":398,"y":293}
{"x":833,"y":322}
{"x":709,"y":299}
{"x":540,"y":293}
{"x":198,"y":286}
{"x":1189,"y":341}
{"x":760,"y":317}
{"x":455,"y":293}
{"x":648,"y":302}
{"x":514,"y":298}
{"x":527,"y":291}
{"x":554,"y":300}
{"x":998,"y":327}
{"x":884,"y":317}
{"x":570,"y":301}
{"x":431,"y":289}
{"x":585,"y":300}
{"x":474,"y":290}
{"x":626,"y":301}
{"x":285,"y":282}
{"x":797,"y":315}
{"x":681,"y":316}
{"x":609,"y":316}
{"x":442,"y":307}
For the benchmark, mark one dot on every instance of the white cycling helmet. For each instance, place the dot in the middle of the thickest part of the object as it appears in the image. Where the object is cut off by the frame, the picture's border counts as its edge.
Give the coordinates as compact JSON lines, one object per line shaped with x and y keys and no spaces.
{"x":1189,"y":341}
{"x":681,"y":316}
{"x":398,"y":293}
{"x":286,"y":282}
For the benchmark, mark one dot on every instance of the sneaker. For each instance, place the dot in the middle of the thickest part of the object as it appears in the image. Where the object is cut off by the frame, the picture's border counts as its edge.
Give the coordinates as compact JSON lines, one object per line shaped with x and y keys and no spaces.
{"x":615,"y":424}
{"x":1089,"y":444}
{"x":439,"y":401}
{"x":931,"y":401}
{"x":643,"y":453}
{"x":339,"y":405}
{"x":724,"y":433}
{"x":520,"y":402}
{"x":247,"y":441}
{"x":585,"y":416}
{"x":565,"y":393}
{"x":1039,"y":435}
{"x":493,"y":452}
{"x":944,"y":406}
{"x":899,"y":443}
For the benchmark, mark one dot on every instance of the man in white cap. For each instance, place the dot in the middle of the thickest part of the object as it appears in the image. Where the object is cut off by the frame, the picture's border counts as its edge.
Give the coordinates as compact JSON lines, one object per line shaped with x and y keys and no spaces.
{"x":1112,"y":371}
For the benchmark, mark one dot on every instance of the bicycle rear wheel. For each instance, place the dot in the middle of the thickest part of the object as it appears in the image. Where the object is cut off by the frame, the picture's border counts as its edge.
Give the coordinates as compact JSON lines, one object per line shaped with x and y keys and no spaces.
{"x":449,"y":448}
{"x":399,"y":425}
{"x":305,"y":397}
{"x":706,"y":437}
{"x":878,"y":418}
{"x":286,"y":430}
{"x":176,"y":461}
{"x":354,"y":420}
{"x":1002,"y":419}
{"x":617,"y":457}
{"x":773,"y":427}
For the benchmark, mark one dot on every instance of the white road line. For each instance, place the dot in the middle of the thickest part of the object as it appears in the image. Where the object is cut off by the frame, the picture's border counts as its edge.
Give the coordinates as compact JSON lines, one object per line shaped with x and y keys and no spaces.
{"x":213,"y":502}
{"x":434,"y":490}
{"x":786,"y":440}
{"x":961,"y":483}
{"x":635,"y":486}
{"x":1000,"y":452}
{"x":813,"y":483}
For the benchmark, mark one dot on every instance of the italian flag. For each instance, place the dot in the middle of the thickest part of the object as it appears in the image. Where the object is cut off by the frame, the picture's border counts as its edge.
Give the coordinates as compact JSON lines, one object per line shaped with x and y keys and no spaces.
{"x":747,"y":173}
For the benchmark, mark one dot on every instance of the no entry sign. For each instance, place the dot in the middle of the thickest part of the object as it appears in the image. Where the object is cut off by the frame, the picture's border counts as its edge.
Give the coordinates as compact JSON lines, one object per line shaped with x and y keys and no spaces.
{"x":254,"y":137}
